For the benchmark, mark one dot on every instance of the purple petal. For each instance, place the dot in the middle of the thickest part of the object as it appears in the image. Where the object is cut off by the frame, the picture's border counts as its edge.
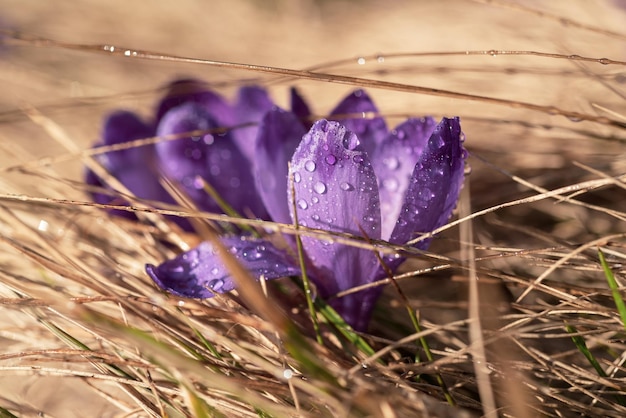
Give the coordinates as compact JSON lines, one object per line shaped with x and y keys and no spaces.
{"x":120,"y":127}
{"x":356,"y":308}
{"x":299,"y":107}
{"x":435,"y":184}
{"x":253,"y":103}
{"x":394,"y":161}
{"x":195,"y":91}
{"x":133,"y":167}
{"x":200,"y":273}
{"x":214,"y":158}
{"x":336,"y":190}
{"x":370,"y":130}
{"x":280,"y":133}
{"x":106,"y":199}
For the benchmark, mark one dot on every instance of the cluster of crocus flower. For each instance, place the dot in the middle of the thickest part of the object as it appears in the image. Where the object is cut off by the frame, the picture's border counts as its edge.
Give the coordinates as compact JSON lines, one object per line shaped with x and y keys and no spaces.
{"x":349,"y":175}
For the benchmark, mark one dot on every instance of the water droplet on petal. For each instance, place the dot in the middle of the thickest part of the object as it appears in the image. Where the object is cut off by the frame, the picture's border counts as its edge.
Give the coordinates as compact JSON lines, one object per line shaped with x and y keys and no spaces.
{"x":315,"y":199}
{"x":360,"y":61}
{"x":350,"y":141}
{"x":330,"y":159}
{"x":198,"y":183}
{"x":357,"y":159}
{"x":215,"y":271}
{"x":296,"y":177}
{"x":346,"y":187}
{"x":216,"y":285}
{"x":309,"y":166}
{"x":176,"y":271}
{"x":426,"y":194}
{"x":302,"y":204}
{"x":315,"y":217}
{"x":319,"y":187}
{"x":391,"y":163}
{"x":390,"y":184}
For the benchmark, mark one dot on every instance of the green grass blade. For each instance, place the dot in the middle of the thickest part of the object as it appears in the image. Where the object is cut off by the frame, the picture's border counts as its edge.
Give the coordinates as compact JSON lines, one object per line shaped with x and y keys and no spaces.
{"x":617,"y":297}
{"x":4,"y":413}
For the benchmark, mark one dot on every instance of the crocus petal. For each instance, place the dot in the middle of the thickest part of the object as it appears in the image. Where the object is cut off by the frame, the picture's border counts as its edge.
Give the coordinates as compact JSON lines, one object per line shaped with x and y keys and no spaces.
{"x":336,"y":190}
{"x":120,"y":127}
{"x":213,"y":158}
{"x":200,"y":273}
{"x":300,"y":107}
{"x":280,"y":132}
{"x":252,"y":104}
{"x":195,"y":91}
{"x":435,"y":184}
{"x":394,"y":161}
{"x":133,"y":167}
{"x":370,"y":130}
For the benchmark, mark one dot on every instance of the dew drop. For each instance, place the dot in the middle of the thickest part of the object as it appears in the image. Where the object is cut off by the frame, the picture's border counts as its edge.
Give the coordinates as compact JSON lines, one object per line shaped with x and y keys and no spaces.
{"x":360,"y":61}
{"x":302,"y":204}
{"x":315,"y":199}
{"x":319,"y":187}
{"x":426,"y":194}
{"x":215,"y":271}
{"x":391,"y":163}
{"x":176,"y":271}
{"x":357,"y":159}
{"x":309,"y":166}
{"x":315,"y":217}
{"x":380,"y":58}
{"x":330,"y":159}
{"x":216,"y":285}
{"x":198,"y":183}
{"x":296,"y":177}
{"x":252,"y":255}
{"x":350,"y":140}
{"x":390,"y":184}
{"x":346,"y":187}
{"x":43,"y":225}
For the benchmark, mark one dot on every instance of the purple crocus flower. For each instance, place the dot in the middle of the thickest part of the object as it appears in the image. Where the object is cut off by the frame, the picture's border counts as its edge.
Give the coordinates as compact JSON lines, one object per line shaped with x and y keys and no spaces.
{"x":219,"y":158}
{"x":408,"y":183}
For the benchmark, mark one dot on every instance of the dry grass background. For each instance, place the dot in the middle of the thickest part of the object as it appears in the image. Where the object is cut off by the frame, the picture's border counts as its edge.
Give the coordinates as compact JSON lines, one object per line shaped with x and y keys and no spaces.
{"x":72,"y":279}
